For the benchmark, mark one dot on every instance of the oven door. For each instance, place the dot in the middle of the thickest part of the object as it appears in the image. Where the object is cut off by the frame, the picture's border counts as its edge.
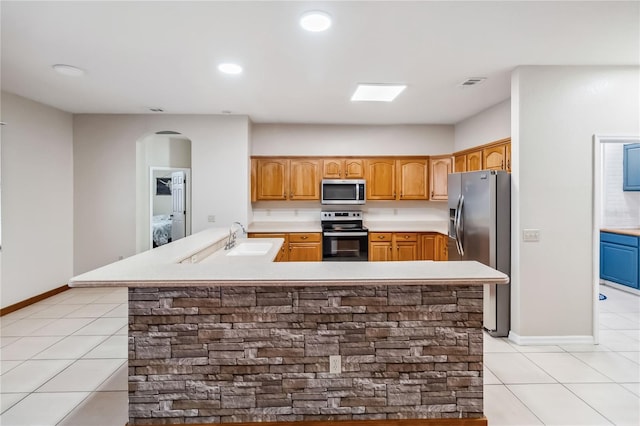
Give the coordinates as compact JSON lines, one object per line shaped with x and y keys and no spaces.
{"x":345,"y":246}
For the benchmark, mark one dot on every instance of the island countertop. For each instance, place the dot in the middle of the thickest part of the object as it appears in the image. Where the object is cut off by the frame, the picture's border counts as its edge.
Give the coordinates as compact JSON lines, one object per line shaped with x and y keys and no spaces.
{"x":170,"y":266}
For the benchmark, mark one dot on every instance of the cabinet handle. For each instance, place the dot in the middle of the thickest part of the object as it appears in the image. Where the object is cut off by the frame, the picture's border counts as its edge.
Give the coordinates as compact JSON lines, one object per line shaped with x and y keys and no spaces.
{"x":502,"y":164}
{"x":431,"y":194}
{"x":304,"y":237}
{"x":381,"y":236}
{"x":509,"y":164}
{"x":406,"y":236}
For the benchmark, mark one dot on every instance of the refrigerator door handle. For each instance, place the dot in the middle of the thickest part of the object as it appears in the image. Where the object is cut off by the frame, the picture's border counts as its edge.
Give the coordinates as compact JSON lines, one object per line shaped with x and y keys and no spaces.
{"x":458,"y":225}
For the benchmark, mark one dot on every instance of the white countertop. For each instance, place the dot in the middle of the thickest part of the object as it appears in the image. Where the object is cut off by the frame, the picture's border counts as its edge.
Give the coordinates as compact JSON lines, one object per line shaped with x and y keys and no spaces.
{"x":161,"y":267}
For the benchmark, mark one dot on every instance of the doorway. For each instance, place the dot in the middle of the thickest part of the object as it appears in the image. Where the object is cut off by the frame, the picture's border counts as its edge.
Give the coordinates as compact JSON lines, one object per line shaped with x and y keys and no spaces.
{"x":163,"y":189}
{"x":169,"y":204}
{"x":610,"y":209}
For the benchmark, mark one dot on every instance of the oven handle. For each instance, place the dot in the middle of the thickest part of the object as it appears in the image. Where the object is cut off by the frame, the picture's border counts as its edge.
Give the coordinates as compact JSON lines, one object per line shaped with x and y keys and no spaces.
{"x":345,"y":234}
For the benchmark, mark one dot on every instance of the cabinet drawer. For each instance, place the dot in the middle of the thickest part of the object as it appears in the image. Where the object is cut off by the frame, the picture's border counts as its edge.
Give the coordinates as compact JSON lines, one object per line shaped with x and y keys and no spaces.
{"x":406,"y":236}
{"x":305,"y":237}
{"x":626,"y":240}
{"x":380,"y":236}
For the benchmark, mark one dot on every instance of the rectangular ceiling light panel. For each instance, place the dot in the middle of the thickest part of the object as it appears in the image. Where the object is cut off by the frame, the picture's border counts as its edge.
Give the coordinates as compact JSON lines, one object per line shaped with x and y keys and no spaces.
{"x":377,"y":92}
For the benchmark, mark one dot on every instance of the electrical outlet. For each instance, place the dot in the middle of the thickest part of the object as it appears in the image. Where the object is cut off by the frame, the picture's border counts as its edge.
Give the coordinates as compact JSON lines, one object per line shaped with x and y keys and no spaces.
{"x":335,"y":364}
{"x":531,"y":235}
{"x":211,"y":218}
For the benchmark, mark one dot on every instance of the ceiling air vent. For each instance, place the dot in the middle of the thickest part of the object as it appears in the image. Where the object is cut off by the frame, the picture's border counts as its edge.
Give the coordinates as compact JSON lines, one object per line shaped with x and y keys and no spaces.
{"x":156,"y":110}
{"x":472,"y":81}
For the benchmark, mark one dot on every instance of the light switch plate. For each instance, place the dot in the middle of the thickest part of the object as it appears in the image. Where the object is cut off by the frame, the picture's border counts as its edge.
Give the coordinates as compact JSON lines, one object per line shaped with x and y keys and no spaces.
{"x":531,"y":235}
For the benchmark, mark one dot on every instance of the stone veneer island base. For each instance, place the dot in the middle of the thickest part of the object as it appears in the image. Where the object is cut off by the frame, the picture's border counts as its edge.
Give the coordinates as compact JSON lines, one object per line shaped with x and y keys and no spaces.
{"x":217,"y":354}
{"x":216,"y":338}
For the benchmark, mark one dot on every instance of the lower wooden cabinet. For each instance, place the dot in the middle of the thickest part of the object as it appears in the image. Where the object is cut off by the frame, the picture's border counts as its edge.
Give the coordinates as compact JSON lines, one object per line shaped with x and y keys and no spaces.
{"x":297,"y":246}
{"x":433,"y":246}
{"x":305,"y":247}
{"x":386,"y":246}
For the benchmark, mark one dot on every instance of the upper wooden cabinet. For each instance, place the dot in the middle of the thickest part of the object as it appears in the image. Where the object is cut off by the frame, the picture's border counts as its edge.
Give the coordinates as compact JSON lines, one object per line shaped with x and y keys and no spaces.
{"x":391,"y":179}
{"x":460,"y":163}
{"x":343,"y":168}
{"x":412,"y":179}
{"x":494,"y":158}
{"x":272,"y":178}
{"x":287,"y":179}
{"x":439,"y":169}
{"x":304,"y":179}
{"x":474,"y":161}
{"x":381,"y":178}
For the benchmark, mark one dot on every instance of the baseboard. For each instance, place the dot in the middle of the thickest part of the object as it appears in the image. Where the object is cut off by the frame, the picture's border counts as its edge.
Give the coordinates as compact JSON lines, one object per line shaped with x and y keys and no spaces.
{"x":32,"y":300}
{"x":550,"y":340}
{"x":480,"y":421}
{"x":620,"y":287}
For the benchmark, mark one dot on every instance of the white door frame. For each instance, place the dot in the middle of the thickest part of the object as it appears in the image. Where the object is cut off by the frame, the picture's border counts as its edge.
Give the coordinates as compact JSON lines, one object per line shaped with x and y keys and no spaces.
{"x":598,"y":145}
{"x":187,"y":190}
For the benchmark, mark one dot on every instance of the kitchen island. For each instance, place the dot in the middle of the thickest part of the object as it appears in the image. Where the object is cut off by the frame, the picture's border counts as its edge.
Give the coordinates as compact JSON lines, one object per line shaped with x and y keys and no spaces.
{"x":216,"y":338}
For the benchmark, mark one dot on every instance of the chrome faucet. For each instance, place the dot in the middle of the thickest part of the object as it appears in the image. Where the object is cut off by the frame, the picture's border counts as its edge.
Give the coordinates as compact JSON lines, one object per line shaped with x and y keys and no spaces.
{"x":231,"y":241}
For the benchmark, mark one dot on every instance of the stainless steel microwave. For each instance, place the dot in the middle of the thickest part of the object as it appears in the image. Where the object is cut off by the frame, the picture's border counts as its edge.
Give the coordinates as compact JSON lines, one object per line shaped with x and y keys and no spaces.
{"x":343,"y":191}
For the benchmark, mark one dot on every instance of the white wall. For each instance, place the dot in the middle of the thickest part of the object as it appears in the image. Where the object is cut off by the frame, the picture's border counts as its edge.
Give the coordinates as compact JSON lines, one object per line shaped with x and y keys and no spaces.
{"x":620,"y":209}
{"x":555,"y":112}
{"x":490,"y":125}
{"x":316,"y":139}
{"x":105,"y":176}
{"x":37,"y":198}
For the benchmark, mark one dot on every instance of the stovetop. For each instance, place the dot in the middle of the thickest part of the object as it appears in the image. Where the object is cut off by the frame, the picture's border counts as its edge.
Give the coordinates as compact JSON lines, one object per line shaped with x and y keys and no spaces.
{"x":342,"y":221}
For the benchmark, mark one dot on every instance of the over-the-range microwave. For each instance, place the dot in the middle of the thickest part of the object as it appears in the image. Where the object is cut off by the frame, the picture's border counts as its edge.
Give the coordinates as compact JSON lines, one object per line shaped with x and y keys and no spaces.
{"x":343,"y":191}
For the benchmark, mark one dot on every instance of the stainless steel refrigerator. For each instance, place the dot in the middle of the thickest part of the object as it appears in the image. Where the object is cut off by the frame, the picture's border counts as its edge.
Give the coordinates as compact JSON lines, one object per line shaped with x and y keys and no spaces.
{"x":480,"y":229}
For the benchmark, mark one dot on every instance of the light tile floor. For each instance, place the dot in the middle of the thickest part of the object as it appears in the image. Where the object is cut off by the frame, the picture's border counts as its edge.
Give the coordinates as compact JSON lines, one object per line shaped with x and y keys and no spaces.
{"x":64,"y":363}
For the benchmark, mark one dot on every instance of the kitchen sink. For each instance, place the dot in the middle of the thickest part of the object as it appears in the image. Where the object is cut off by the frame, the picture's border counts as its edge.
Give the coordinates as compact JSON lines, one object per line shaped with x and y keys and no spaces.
{"x":250,"y":249}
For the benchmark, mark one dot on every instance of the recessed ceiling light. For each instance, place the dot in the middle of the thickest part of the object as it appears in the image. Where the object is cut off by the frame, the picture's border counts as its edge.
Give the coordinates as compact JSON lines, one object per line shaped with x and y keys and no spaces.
{"x":377,"y":92}
{"x":229,"y":68}
{"x":315,"y":21}
{"x":69,"y":70}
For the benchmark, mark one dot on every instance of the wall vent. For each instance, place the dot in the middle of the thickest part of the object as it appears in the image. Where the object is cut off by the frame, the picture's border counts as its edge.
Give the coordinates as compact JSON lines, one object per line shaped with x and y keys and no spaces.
{"x":156,"y":110}
{"x":472,"y":81}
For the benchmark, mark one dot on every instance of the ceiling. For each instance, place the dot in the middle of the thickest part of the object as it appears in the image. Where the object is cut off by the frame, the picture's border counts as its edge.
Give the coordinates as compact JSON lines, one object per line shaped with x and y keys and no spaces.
{"x":141,"y":55}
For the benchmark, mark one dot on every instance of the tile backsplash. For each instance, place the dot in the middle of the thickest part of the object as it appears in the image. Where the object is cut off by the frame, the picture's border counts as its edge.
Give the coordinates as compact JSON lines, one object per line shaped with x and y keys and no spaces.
{"x":620,"y":209}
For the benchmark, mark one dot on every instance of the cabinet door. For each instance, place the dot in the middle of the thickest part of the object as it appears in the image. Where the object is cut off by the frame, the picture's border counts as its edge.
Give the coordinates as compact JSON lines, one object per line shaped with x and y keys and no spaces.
{"x":272,"y":179}
{"x":405,"y":246}
{"x":380,"y":245}
{"x":381,"y":179}
{"x":428,"y":247}
{"x":442,"y":247}
{"x":474,"y":161}
{"x":283,"y":254}
{"x":353,"y":168}
{"x":493,"y":158}
{"x":305,"y":252}
{"x":332,"y":168}
{"x":412,"y":179}
{"x":380,"y":251}
{"x":631,"y":167}
{"x":439,"y":169}
{"x":619,"y":263}
{"x":304,"y":181}
{"x":460,"y":163}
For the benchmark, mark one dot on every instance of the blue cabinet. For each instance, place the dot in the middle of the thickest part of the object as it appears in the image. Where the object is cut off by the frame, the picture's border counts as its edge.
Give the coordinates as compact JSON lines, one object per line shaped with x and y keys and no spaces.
{"x":619,"y":260}
{"x":631,"y":167}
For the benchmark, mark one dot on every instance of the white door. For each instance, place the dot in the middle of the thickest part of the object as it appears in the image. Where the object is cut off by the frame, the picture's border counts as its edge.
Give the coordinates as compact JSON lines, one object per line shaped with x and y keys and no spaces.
{"x":178,"y":199}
